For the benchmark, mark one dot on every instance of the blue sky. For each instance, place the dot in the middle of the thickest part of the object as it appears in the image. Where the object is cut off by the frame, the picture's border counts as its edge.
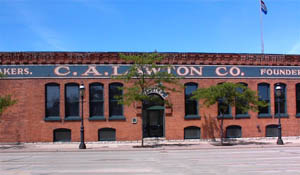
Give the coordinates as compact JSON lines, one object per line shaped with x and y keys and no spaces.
{"x":218,"y":26}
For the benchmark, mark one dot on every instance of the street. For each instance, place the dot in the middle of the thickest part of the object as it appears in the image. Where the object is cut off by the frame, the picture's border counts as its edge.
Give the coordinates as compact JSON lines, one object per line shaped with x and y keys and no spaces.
{"x":241,"y":161}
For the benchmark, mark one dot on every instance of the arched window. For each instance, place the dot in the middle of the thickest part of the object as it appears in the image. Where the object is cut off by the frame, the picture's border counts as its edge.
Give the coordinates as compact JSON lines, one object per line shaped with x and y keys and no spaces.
{"x":192,"y":132}
{"x":298,"y":100}
{"x":72,"y":101}
{"x":239,"y":102}
{"x":282,"y":99}
{"x":233,"y":131}
{"x":52,"y":101}
{"x":62,"y":135}
{"x":264,"y":95}
{"x":96,"y":101}
{"x":107,"y":134}
{"x":272,"y":131}
{"x":115,"y":109}
{"x":191,"y":105}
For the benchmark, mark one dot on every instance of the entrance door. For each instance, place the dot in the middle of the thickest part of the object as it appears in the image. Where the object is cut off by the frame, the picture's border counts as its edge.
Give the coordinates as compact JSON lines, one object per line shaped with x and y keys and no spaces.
{"x":154,"y":123}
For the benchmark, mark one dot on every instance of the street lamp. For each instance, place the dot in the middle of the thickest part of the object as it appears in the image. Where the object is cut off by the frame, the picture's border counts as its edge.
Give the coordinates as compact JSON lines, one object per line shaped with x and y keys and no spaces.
{"x":82,"y":144}
{"x":278,"y":93}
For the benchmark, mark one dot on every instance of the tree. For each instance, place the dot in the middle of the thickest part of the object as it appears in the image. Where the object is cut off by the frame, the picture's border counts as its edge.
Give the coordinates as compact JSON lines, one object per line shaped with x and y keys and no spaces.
{"x":229,"y":94}
{"x":5,"y":101}
{"x":144,"y":74}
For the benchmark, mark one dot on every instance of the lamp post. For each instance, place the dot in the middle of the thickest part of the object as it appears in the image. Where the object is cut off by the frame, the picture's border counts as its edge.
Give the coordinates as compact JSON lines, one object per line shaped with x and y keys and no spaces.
{"x":278,"y":93}
{"x":82,"y":144}
{"x":220,"y":101}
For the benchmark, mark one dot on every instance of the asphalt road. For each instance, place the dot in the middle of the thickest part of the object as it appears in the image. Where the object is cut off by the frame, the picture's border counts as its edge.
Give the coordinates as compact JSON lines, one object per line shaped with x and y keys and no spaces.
{"x":240,"y":161}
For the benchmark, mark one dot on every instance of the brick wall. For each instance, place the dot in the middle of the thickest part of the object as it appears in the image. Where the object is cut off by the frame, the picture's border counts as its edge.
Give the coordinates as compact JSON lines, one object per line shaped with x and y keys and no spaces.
{"x":24,"y":122}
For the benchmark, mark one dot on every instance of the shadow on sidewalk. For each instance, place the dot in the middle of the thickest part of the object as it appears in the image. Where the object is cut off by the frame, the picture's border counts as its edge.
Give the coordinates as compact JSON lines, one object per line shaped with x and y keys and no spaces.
{"x":12,"y":146}
{"x":238,"y":142}
{"x":164,"y":145}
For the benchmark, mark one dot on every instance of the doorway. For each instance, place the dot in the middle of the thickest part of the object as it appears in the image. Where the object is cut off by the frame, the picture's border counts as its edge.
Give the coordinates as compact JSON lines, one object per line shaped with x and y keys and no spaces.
{"x":153,"y":119}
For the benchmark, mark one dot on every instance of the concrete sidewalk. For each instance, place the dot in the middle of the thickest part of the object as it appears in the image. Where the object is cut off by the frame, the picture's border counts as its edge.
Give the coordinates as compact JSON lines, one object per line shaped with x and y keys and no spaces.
{"x":153,"y":145}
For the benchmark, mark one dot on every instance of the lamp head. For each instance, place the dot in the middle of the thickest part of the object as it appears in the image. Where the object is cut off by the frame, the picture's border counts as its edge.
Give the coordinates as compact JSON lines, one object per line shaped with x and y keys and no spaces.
{"x":278,"y":90}
{"x":81,"y":89}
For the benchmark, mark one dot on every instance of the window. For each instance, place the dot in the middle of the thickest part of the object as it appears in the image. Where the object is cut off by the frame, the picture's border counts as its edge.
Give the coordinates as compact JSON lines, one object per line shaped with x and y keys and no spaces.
{"x":224,"y":109}
{"x":298,"y":100}
{"x":192,"y":132}
{"x":272,"y":131}
{"x":115,"y":109}
{"x":282,"y":99}
{"x":233,"y":131}
{"x":72,"y":101}
{"x":62,"y":135}
{"x":191,"y":105}
{"x":52,"y":101}
{"x":239,"y":102}
{"x":96,"y":101}
{"x":264,"y":95}
{"x":107,"y":134}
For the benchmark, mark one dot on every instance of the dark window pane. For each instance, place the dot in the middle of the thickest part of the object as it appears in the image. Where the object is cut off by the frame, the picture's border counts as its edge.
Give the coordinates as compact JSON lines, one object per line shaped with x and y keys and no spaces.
{"x":190,"y":104}
{"x":263,"y":92}
{"x":264,"y":110}
{"x":62,"y":135}
{"x":240,"y":102}
{"x":225,"y":108}
{"x":191,"y":108}
{"x":272,"y":131}
{"x":190,"y":88}
{"x":72,"y":100}
{"x":114,"y":91}
{"x":298,"y":106}
{"x":192,"y":133}
{"x":298,"y":98}
{"x":72,"y":109}
{"x":233,"y":132}
{"x":96,"y":92}
{"x":282,"y":107}
{"x":96,"y":100}
{"x":107,"y":134}
{"x":115,"y":108}
{"x":264,"y":95}
{"x":52,"y":101}
{"x":96,"y":109}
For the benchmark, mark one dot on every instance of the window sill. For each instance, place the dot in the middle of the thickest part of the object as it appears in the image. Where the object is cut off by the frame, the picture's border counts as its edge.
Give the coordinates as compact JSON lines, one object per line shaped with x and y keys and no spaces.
{"x":117,"y":117}
{"x":264,"y":116}
{"x":93,"y":118}
{"x":191,"y":117}
{"x":52,"y":119}
{"x":72,"y":118}
{"x":225,"y":116}
{"x":285,"y":115}
{"x":240,"y":116}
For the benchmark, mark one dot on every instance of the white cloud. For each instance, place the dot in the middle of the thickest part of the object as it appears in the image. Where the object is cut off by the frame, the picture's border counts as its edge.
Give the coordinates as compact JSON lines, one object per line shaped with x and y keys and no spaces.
{"x":296,"y":47}
{"x":50,"y":38}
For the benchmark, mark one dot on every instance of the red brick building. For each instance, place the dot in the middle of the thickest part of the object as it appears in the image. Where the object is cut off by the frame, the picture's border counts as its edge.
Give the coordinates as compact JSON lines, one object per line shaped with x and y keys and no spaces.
{"x":46,"y":86}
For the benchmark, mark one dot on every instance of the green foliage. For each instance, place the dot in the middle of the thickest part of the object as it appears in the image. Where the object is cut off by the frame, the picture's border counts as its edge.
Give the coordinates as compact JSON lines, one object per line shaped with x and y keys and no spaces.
{"x":230,"y":94}
{"x":5,"y":101}
{"x":145,"y":73}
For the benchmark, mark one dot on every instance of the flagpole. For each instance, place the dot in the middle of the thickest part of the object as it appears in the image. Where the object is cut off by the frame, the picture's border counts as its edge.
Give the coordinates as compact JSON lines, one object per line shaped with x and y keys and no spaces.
{"x":261,"y":29}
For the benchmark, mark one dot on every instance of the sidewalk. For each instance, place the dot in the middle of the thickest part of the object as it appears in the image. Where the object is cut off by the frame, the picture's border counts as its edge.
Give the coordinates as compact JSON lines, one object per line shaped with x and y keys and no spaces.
{"x":157,"y":145}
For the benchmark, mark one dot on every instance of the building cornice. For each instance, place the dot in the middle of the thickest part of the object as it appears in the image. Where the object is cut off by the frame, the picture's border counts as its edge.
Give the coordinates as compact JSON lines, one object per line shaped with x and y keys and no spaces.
{"x":19,"y":58}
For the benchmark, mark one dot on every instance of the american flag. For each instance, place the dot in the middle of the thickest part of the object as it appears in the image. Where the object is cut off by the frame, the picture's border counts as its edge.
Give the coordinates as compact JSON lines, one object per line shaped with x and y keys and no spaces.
{"x":263,"y":7}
